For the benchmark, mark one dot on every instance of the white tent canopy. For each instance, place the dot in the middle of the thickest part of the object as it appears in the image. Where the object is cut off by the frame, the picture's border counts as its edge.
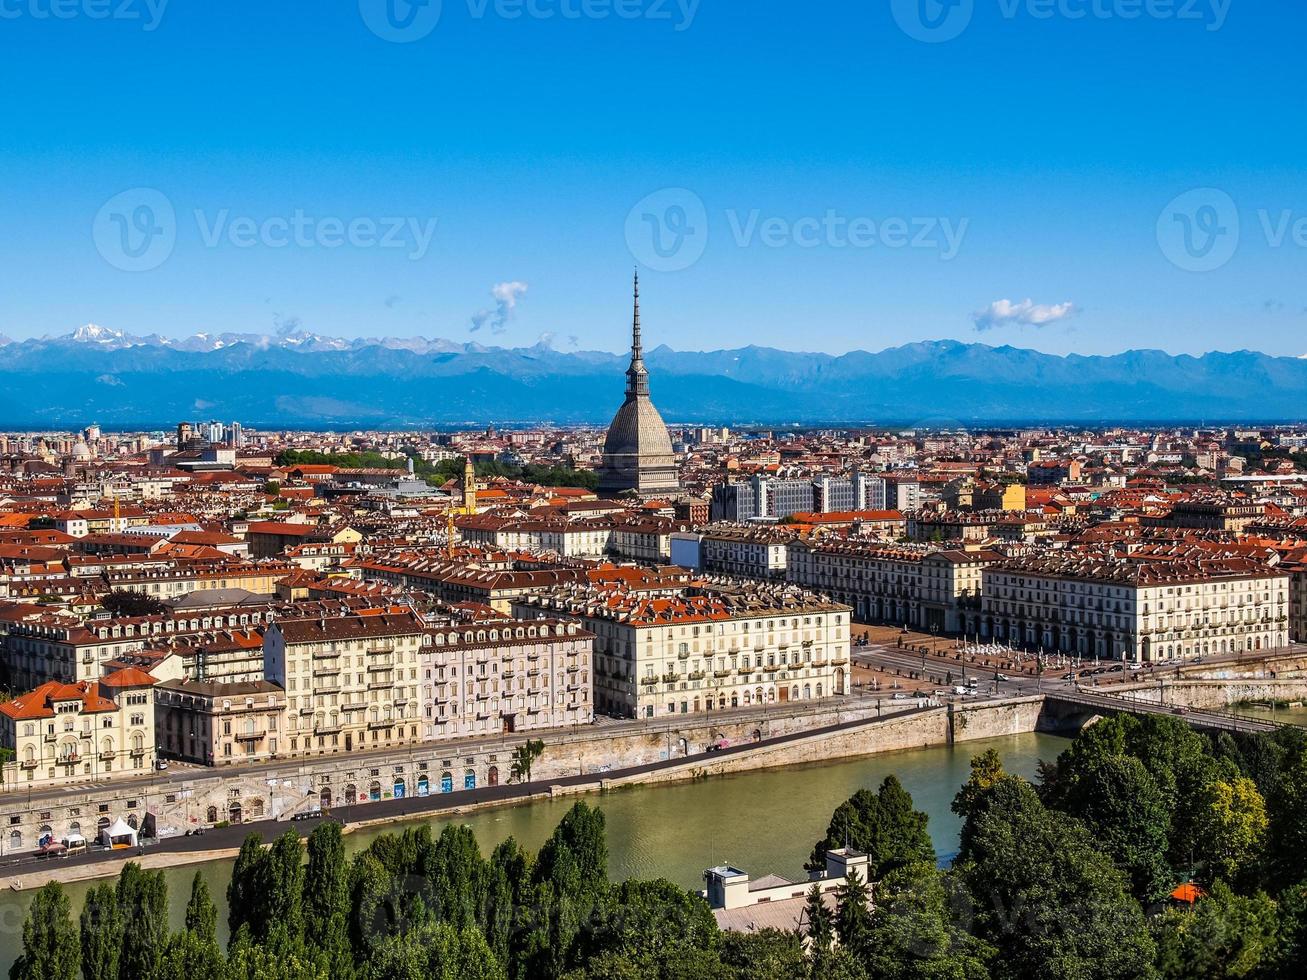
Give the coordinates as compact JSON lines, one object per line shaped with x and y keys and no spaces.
{"x":119,"y":832}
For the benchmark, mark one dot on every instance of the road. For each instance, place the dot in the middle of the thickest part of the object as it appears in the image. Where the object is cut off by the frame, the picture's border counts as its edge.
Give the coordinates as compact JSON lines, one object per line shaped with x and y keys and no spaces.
{"x":231,"y":837}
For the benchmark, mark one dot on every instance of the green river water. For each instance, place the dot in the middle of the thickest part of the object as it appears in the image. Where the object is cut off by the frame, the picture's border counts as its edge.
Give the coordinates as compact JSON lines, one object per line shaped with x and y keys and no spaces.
{"x":763,"y":822}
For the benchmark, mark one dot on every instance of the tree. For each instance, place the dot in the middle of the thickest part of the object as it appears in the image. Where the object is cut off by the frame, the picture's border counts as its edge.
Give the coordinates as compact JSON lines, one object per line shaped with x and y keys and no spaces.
{"x":1231,"y":824}
{"x":852,"y":917}
{"x":281,"y":905}
{"x":655,"y":927}
{"x":101,"y":933}
{"x":201,"y":915}
{"x":326,"y":898}
{"x":1120,"y":803}
{"x":818,"y":923}
{"x":1045,"y":893}
{"x":190,"y":957}
{"x":882,"y":825}
{"x":524,"y":756}
{"x":128,"y":602}
{"x":245,"y":890}
{"x":1224,"y":935}
{"x":51,"y":946}
{"x":914,"y":933}
{"x":767,"y":954}
{"x":143,"y":905}
{"x":436,"y":951}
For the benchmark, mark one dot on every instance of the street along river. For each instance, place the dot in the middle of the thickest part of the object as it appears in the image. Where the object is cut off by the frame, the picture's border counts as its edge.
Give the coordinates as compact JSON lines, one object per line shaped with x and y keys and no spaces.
{"x":762,"y":821}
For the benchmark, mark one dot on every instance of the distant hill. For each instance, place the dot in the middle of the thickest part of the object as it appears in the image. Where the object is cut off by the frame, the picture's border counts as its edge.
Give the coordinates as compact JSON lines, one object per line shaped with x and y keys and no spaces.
{"x":297,"y":379}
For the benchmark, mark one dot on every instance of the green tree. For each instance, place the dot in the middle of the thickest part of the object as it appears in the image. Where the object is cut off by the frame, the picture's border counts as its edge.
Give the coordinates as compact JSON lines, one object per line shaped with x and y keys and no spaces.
{"x":914,"y":933}
{"x":101,"y":933}
{"x":191,"y":957}
{"x":436,"y":951}
{"x":654,"y":927}
{"x":245,"y":890}
{"x":143,"y":905}
{"x":201,"y":915}
{"x":1231,"y":826}
{"x":884,"y":825}
{"x":1224,"y":936}
{"x":1046,"y":894}
{"x":51,"y":947}
{"x":1120,"y":803}
{"x":767,"y":954}
{"x":326,"y":899}
{"x":818,"y":923}
{"x":281,"y":907}
{"x":524,"y":757}
{"x":852,"y":917}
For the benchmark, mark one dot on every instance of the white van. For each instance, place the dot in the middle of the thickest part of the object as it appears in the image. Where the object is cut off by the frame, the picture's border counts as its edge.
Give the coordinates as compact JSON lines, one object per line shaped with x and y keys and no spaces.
{"x":75,"y":843}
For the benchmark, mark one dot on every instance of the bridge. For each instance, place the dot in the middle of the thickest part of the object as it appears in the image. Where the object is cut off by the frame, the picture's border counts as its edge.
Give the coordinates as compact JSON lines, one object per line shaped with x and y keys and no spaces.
{"x":1074,"y":706}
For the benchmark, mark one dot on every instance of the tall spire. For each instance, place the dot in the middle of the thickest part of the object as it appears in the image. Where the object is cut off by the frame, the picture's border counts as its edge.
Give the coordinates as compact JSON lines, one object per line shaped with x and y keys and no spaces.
{"x":637,"y":378}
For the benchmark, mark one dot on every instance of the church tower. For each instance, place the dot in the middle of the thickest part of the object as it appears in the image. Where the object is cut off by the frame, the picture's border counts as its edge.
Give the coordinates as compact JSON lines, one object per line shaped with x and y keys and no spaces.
{"x":638,"y":456}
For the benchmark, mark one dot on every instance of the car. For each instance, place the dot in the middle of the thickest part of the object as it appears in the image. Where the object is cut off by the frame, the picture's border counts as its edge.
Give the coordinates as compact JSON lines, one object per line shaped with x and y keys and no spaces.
{"x":306,"y":815}
{"x":1002,"y":677}
{"x":899,"y":696}
{"x":161,"y":764}
{"x":1180,"y":710}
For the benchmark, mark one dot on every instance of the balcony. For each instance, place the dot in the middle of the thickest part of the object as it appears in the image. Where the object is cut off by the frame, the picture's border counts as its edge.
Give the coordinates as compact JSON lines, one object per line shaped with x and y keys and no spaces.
{"x":326,"y":688}
{"x":671,"y":678}
{"x":721,"y":673}
{"x":255,"y":736}
{"x":326,"y":670}
{"x":137,"y":753}
{"x":648,"y":681}
{"x":378,"y":725}
{"x":29,"y":763}
{"x":354,"y":706}
{"x":107,"y":756}
{"x":381,"y":665}
{"x":380,"y":651}
{"x":697,"y":675}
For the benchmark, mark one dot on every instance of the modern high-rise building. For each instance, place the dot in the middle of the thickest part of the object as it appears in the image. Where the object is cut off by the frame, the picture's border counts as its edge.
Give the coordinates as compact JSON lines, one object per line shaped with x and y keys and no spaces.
{"x":638,"y":455}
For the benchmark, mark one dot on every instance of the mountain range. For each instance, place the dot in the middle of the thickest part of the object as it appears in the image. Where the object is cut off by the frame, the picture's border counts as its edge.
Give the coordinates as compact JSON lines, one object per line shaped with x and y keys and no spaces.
{"x":299,"y":379}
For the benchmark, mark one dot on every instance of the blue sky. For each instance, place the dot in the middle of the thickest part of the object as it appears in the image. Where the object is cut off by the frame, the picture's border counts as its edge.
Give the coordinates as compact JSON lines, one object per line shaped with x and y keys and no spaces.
{"x":832,"y":182}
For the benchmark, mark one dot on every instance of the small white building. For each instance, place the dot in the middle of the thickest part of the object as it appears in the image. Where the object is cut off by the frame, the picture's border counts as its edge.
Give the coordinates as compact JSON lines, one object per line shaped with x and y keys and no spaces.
{"x":742,"y":905}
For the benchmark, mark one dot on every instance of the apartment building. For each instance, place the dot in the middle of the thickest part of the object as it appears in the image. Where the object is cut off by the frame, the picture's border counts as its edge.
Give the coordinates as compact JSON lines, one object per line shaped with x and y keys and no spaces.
{"x":920,"y":586}
{"x":701,"y":649}
{"x":85,"y":730}
{"x":1138,"y":610}
{"x":748,"y":551}
{"x":505,"y":676}
{"x":217,"y":724}
{"x":350,"y":681}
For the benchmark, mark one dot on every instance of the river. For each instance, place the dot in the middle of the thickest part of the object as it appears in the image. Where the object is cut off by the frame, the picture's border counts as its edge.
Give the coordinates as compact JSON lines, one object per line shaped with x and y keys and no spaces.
{"x":763,"y":821}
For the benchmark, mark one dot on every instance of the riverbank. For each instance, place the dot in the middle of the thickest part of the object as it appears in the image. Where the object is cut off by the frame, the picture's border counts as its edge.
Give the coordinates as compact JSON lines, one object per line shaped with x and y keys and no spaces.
{"x":672,"y":830}
{"x":907,"y":729}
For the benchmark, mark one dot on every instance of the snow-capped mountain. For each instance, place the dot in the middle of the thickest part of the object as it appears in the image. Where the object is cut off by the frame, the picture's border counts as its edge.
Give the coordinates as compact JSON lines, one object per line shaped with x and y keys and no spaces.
{"x":106,"y":338}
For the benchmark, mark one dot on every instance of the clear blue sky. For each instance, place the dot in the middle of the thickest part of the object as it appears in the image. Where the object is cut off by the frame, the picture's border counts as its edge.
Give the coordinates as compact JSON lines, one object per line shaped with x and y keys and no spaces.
{"x":1058,"y":140}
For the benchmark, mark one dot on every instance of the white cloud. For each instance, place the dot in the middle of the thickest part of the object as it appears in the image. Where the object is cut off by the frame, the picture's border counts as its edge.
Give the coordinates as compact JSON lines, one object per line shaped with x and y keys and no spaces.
{"x":1003,"y":313}
{"x":506,"y":295}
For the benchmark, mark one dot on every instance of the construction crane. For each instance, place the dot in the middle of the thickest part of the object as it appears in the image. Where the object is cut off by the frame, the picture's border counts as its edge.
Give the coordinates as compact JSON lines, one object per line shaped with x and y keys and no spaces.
{"x":469,"y":507}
